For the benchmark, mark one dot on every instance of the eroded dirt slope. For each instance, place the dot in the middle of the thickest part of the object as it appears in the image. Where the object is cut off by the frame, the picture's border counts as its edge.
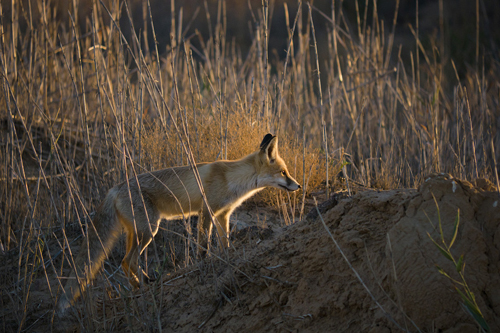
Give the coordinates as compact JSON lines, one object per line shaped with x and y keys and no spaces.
{"x":296,"y":279}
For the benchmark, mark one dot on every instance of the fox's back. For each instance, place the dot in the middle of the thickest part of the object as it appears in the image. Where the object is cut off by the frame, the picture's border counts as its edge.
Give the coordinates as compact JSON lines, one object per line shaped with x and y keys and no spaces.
{"x":173,"y":191}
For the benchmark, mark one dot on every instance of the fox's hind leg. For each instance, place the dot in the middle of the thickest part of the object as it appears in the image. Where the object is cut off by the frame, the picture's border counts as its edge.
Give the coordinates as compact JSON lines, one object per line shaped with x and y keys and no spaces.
{"x":136,"y":244}
{"x":139,"y":235}
{"x":130,"y":262}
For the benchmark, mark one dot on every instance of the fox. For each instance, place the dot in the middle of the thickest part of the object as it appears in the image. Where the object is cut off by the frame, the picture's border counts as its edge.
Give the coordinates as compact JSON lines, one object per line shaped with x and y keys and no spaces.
{"x":136,"y":206}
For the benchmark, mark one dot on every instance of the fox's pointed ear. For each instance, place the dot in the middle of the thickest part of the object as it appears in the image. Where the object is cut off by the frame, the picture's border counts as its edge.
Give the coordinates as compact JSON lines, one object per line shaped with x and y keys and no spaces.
{"x":269,"y":147}
{"x":266,"y":141}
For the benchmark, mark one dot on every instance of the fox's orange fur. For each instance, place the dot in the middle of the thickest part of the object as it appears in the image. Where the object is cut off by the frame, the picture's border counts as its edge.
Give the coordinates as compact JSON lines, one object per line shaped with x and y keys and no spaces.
{"x":137,"y":206}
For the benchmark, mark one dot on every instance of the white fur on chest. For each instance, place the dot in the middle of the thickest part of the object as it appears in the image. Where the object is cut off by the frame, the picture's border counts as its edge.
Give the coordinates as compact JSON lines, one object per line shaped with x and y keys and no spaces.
{"x":238,"y":192}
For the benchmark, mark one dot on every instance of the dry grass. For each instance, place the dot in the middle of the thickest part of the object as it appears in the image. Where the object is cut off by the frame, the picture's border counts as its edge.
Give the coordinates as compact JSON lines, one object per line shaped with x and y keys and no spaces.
{"x":83,"y":108}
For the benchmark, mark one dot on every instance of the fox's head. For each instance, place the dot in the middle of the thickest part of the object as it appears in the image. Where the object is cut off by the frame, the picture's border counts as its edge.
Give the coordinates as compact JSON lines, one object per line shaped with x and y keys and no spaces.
{"x":273,"y":171}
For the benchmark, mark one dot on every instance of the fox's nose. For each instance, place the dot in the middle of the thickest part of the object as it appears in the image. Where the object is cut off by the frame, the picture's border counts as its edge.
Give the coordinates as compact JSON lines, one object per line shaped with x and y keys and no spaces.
{"x":300,"y":187}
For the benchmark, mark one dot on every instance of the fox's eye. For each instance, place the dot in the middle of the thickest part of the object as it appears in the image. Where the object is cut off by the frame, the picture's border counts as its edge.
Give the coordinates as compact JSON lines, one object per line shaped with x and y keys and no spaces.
{"x":283,"y":173}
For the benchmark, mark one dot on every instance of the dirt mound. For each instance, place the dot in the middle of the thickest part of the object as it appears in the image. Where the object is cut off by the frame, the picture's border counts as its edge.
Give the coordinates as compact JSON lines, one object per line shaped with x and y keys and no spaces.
{"x":295,"y":278}
{"x":298,"y":280}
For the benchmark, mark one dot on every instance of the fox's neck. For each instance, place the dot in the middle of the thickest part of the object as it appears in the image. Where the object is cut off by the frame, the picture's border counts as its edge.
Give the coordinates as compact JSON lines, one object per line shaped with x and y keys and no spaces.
{"x":243,"y":177}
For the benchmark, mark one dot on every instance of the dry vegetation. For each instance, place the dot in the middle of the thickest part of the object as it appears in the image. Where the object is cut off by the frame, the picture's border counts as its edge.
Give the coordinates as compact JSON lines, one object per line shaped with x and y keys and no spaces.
{"x":84,"y":107}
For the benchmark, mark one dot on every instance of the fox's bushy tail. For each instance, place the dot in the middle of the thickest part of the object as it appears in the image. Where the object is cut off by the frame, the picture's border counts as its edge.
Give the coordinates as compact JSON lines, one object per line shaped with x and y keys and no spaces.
{"x":102,"y":235}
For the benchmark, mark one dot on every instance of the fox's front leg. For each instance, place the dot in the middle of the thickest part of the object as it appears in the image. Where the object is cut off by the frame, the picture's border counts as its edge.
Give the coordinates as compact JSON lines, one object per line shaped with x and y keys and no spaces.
{"x":222,"y":224}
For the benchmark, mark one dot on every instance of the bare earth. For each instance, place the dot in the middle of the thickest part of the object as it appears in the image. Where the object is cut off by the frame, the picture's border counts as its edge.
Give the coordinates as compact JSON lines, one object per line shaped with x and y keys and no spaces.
{"x":294,"y":279}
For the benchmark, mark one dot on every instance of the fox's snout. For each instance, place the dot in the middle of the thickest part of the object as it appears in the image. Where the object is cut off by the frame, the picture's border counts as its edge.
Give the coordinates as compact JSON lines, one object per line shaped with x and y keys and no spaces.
{"x":291,"y":184}
{"x":294,"y":188}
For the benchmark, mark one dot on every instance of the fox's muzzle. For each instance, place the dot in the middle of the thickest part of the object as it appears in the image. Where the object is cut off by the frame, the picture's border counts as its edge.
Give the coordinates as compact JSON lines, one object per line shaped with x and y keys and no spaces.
{"x":292,"y":186}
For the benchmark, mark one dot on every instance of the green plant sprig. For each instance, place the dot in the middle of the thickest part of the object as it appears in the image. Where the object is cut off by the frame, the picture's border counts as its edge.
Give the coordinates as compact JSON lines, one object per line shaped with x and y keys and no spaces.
{"x":461,"y":286}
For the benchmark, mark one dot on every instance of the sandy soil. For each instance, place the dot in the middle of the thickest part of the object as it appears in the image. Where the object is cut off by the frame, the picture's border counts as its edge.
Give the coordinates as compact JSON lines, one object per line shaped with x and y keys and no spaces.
{"x":295,"y":279}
